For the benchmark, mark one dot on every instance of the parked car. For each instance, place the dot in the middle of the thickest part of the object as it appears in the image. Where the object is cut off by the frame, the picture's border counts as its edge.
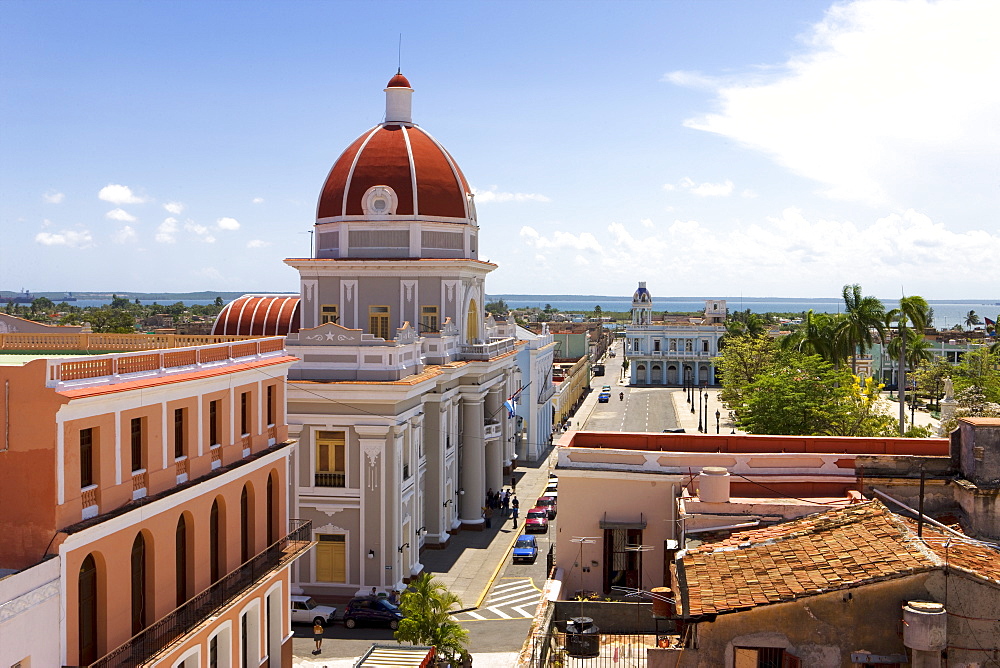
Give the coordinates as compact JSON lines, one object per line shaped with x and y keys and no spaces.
{"x":307,"y":611}
{"x":548,"y":501}
{"x":606,"y":388}
{"x":537,"y":520}
{"x":525,"y":549}
{"x":371,"y":610}
{"x":604,"y":397}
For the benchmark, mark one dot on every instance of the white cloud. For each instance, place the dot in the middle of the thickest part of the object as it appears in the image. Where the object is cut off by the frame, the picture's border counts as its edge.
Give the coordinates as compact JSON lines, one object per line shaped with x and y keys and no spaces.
{"x":887,"y":97}
{"x":257,"y":200}
{"x":201,"y":231}
{"x":124,"y":235}
{"x":228,"y":224}
{"x":208,"y":272}
{"x":71,"y":238}
{"x":493,"y":195}
{"x":560,"y":240}
{"x":119,"y":194}
{"x":258,"y":243}
{"x":724,"y":189}
{"x":174,"y":207}
{"x":790,"y":254}
{"x":646,"y":222}
{"x":53,"y":197}
{"x":120,"y":215}
{"x":166,"y":232}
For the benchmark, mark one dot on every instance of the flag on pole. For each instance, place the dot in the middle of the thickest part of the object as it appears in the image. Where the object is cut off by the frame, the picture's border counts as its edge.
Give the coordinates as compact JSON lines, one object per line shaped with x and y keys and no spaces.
{"x":511,"y":403}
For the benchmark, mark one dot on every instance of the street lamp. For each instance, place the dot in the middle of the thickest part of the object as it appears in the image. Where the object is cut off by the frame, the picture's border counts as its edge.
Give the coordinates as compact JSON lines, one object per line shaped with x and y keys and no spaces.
{"x":691,"y":385}
{"x":706,"y":411}
{"x":717,"y":420}
{"x":698,"y":399}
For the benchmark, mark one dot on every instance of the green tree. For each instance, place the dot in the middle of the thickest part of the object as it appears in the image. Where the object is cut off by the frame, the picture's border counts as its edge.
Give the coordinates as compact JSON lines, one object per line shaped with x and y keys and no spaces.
{"x":498,"y":307}
{"x":218,"y":302}
{"x":741,"y":363}
{"x":930,"y":376}
{"x":42,"y":305}
{"x":106,"y":320}
{"x":863,"y":315}
{"x":818,"y":335}
{"x":971,"y":319}
{"x":427,"y":605}
{"x":598,"y":311}
{"x":120,"y":302}
{"x":806,"y":395}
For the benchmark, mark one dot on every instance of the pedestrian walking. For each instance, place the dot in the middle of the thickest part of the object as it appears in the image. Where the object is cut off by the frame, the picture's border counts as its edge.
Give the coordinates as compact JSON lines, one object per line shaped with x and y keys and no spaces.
{"x":513,"y":484}
{"x":318,"y":637}
{"x":505,"y":503}
{"x":515,"y":504}
{"x":488,"y":514}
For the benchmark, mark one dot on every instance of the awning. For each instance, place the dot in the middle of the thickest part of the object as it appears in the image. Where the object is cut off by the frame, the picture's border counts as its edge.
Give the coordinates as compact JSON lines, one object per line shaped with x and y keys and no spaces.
{"x":623,"y":524}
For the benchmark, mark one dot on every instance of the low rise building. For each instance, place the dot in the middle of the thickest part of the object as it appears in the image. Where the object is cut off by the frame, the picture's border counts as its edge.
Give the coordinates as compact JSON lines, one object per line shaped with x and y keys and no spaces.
{"x":155,"y":484}
{"x":674,"y":352}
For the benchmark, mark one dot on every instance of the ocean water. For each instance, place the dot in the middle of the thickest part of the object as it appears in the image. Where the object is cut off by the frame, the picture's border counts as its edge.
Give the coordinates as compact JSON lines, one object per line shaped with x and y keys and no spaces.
{"x":946,"y":313}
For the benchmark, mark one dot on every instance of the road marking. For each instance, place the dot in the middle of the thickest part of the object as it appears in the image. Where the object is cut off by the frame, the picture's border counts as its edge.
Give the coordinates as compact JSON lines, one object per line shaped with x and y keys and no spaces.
{"x":498,"y":611}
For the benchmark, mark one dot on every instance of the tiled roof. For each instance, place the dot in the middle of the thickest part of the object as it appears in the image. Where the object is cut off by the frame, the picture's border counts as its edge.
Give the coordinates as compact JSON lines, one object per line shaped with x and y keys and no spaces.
{"x":968,"y":555}
{"x":815,"y":554}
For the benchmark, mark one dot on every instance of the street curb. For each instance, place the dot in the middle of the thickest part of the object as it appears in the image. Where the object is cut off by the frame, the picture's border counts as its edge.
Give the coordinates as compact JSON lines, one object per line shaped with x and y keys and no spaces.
{"x":496,"y":571}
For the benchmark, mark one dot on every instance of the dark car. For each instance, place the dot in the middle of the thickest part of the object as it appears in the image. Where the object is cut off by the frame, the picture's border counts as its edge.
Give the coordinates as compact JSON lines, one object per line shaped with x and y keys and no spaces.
{"x":537,"y":520}
{"x":525,"y":549}
{"x":371,"y":610}
{"x":549,"y":503}
{"x":603,"y":397}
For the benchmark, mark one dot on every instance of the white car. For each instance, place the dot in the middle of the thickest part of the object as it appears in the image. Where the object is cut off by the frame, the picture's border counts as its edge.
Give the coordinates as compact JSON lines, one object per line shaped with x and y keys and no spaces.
{"x":306,"y":611}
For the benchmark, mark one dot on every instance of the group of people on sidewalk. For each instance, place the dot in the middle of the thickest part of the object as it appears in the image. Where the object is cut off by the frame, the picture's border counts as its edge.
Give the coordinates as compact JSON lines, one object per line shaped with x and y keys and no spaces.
{"x":504,"y":501}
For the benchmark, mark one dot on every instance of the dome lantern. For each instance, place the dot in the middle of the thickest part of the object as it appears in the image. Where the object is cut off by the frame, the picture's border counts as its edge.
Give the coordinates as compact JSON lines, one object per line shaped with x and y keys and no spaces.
{"x":398,"y":100}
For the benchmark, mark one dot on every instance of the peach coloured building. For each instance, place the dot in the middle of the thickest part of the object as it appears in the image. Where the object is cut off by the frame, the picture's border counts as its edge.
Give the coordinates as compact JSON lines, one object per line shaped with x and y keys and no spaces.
{"x":158,"y":481}
{"x":627,"y":500}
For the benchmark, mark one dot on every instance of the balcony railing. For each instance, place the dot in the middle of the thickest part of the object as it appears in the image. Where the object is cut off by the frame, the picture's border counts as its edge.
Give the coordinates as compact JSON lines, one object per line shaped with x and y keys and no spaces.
{"x":154,"y":638}
{"x":492,"y":429}
{"x":546,"y":394}
{"x":328,"y":479}
{"x":485,"y":351}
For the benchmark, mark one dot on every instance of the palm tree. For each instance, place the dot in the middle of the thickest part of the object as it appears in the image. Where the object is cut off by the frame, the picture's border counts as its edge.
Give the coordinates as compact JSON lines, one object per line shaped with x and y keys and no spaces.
{"x":818,"y":336}
{"x":862,"y":315}
{"x":428,"y":605}
{"x":912,"y":310}
{"x":971,"y":319}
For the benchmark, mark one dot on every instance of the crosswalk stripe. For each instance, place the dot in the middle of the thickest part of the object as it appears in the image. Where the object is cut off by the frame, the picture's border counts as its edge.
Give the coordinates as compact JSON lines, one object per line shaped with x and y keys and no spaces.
{"x":526,"y":613}
{"x":474,"y":615}
{"x":500,"y":612}
{"x":516,"y":594}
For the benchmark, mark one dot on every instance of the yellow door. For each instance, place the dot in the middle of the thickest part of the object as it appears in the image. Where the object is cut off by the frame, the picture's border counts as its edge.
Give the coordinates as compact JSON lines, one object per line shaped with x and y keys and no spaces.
{"x":331,"y":563}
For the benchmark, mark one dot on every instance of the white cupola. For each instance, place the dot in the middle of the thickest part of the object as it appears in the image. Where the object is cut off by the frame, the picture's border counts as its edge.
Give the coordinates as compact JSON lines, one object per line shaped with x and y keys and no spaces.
{"x":398,"y":101}
{"x":642,"y":305}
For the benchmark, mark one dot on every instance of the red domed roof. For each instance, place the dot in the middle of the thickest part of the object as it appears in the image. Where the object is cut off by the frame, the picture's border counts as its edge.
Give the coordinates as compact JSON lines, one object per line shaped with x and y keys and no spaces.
{"x":259,"y":315}
{"x":398,"y":81}
{"x":400,"y":157}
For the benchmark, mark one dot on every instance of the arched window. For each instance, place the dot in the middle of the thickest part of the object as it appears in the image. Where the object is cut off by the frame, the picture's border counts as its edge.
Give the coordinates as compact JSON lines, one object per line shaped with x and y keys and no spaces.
{"x":139,"y":605}
{"x":181,"y":560}
{"x":87,"y":592}
{"x":245,"y":537}
{"x":214,"y":539}
{"x":270,"y":509}
{"x":472,"y":322}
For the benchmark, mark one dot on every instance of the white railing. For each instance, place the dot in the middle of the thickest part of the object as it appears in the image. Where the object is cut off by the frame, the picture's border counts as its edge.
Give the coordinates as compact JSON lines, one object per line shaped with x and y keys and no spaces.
{"x":492,"y":430}
{"x":486,"y":351}
{"x":116,"y":367}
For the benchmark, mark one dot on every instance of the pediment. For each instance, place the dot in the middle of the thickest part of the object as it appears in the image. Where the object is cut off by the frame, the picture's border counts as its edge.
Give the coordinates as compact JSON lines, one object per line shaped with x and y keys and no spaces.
{"x":330,"y":334}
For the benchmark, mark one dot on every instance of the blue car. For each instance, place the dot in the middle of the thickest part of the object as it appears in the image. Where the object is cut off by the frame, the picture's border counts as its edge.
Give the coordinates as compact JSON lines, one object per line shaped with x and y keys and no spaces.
{"x":525,"y":549}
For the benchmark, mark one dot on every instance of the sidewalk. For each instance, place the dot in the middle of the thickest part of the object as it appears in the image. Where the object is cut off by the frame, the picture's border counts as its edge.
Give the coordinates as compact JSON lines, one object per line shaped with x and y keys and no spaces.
{"x":473,"y":559}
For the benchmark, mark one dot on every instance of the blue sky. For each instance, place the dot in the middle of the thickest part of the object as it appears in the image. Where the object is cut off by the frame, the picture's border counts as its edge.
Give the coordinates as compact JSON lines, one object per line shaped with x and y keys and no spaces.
{"x":708,"y":148}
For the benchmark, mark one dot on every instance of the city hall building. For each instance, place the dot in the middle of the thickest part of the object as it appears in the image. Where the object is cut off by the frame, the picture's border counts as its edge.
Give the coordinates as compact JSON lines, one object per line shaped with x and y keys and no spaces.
{"x":398,"y":398}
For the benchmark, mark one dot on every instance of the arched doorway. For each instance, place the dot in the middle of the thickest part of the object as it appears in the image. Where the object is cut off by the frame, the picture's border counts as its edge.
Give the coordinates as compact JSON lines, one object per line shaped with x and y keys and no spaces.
{"x":87,"y":620}
{"x":472,"y":322}
{"x":656,"y":376}
{"x":139,"y":593}
{"x":672,"y":374}
{"x":640,"y":373}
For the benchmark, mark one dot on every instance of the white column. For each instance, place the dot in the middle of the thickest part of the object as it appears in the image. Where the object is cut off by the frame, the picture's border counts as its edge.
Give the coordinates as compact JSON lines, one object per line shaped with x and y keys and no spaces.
{"x":473,"y":471}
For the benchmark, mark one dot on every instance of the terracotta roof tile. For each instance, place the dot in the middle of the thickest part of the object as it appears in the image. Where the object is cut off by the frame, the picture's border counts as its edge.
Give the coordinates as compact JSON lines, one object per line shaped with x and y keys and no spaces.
{"x":814,"y":554}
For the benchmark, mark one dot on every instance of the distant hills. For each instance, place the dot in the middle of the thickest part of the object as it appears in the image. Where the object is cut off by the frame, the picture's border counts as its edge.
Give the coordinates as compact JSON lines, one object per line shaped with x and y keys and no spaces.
{"x":158,"y":296}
